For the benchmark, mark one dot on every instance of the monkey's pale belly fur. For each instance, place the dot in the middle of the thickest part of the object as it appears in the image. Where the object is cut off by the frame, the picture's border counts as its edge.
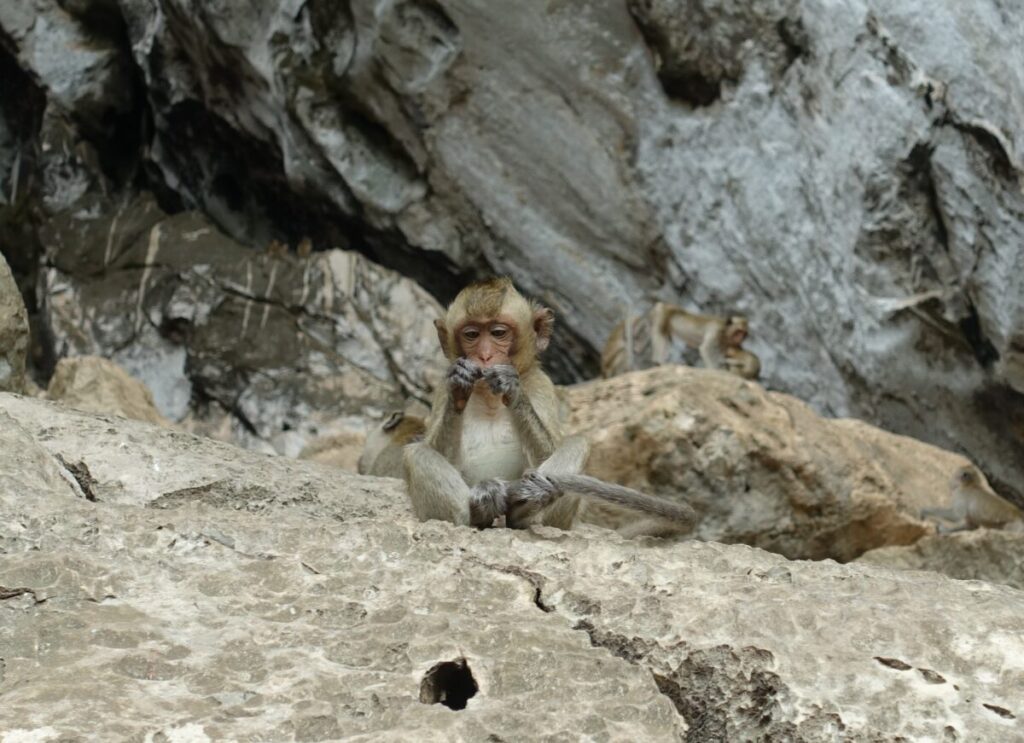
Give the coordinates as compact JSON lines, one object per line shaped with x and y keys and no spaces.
{"x":490,"y":444}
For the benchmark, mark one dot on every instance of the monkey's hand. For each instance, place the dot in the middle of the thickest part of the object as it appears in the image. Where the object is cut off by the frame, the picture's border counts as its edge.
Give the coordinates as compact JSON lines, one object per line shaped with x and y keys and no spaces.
{"x":462,"y":375}
{"x":487,"y":501}
{"x":503,"y":379}
{"x":529,"y":495}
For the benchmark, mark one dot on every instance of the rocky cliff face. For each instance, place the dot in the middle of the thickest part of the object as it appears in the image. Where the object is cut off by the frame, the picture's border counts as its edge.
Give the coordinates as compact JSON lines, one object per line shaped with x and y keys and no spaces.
{"x":846,"y":173}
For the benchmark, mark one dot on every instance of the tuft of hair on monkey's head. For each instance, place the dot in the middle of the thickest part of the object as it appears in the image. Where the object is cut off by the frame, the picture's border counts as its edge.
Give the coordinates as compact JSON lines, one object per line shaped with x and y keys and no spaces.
{"x":496,"y":298}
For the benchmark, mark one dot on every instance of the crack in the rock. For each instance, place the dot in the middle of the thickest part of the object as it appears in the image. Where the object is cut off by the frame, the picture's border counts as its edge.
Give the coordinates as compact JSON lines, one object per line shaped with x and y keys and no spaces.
{"x":10,"y":593}
{"x":535,"y":580}
{"x":79,"y":471}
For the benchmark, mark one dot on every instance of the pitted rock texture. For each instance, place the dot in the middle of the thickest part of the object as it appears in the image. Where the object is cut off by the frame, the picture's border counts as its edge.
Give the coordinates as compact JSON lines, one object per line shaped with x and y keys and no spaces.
{"x":257,"y":597}
{"x":847,"y":173}
{"x":265,"y":349}
{"x":992,"y":555}
{"x":760,"y":467}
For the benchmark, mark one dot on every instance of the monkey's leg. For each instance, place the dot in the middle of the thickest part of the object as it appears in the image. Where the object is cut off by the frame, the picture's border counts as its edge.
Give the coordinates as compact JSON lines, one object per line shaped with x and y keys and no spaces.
{"x":553,"y":508}
{"x":567,"y":459}
{"x":437,"y":490}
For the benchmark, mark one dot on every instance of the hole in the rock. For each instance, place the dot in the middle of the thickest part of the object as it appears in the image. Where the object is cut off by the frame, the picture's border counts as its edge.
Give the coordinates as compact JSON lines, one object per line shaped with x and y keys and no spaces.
{"x":450,"y":683}
{"x":1001,"y":711}
{"x":690,"y":86}
{"x":894,"y":663}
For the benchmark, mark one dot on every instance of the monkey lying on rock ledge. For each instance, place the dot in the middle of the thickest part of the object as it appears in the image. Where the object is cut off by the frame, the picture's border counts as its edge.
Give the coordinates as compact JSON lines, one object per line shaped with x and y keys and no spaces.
{"x":493,"y":445}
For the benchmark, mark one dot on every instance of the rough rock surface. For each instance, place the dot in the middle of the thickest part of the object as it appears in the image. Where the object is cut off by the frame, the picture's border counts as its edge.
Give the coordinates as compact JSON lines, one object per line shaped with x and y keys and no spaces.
{"x":992,"y":555}
{"x":264,"y":349}
{"x":848,"y":173}
{"x":13,"y":333}
{"x":760,"y":467}
{"x":209,"y":593}
{"x":96,"y":385}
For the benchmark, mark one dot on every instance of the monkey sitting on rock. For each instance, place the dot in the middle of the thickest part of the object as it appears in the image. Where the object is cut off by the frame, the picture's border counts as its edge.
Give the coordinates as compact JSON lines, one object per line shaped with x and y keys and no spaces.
{"x":493,"y":444}
{"x":975,"y":504}
{"x":645,"y":341}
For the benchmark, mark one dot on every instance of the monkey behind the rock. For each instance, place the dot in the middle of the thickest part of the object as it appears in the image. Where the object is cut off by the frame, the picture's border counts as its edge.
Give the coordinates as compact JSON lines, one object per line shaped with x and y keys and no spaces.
{"x":975,"y":504}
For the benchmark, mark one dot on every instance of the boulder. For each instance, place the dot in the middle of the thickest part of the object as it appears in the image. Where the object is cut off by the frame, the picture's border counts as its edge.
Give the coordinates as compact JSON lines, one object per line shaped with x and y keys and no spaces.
{"x":760,"y":467}
{"x":262,"y":597}
{"x":97,"y":385}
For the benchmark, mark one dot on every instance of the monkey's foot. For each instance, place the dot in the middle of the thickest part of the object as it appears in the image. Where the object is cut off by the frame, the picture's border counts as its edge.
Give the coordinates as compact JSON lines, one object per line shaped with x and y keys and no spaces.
{"x":487,"y":501}
{"x":529,"y":495}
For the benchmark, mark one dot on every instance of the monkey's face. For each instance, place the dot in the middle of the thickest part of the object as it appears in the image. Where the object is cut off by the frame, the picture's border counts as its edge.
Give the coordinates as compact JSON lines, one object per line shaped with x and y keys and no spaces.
{"x":736,"y":330}
{"x":965,"y":477}
{"x":489,"y":342}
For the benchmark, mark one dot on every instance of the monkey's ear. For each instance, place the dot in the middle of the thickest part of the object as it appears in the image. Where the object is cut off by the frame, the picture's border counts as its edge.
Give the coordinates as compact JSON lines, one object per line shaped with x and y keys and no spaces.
{"x":543,"y":326}
{"x":393,"y":420}
{"x":442,"y":336}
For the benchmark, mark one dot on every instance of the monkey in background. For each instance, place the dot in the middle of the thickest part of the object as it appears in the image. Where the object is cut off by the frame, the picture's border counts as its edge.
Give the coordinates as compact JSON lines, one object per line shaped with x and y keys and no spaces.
{"x":645,"y":341}
{"x":493,"y":445}
{"x":975,"y":504}
{"x":382,"y":452}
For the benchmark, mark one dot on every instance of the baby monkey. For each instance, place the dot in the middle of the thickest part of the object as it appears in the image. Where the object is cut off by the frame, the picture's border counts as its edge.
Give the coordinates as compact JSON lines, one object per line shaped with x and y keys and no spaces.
{"x":645,"y":341}
{"x":975,"y":504}
{"x":493,"y":445}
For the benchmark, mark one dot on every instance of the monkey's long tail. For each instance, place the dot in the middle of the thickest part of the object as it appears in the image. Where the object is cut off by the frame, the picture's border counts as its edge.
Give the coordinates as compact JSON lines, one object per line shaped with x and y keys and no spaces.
{"x":620,"y":495}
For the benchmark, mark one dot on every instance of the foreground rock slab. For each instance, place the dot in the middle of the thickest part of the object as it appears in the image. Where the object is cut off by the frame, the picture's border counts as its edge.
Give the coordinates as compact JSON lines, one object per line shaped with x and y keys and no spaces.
{"x":210,"y":593}
{"x":760,"y":467}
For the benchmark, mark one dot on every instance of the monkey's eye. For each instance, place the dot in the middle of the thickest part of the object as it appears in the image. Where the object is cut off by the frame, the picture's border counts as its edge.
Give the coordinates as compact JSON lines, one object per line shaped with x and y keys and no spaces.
{"x":470,"y":334}
{"x":499,"y":331}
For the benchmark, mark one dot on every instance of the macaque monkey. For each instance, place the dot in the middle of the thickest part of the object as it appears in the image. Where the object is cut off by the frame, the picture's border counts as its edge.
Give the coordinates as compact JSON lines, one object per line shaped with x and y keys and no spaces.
{"x":643,"y":342}
{"x":382,"y":453}
{"x":975,"y":504}
{"x":742,"y":362}
{"x":493,"y":445}
{"x":305,"y":248}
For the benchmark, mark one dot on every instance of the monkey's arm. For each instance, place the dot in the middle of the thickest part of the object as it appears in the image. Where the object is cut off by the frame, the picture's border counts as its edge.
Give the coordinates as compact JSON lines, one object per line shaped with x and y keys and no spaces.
{"x":955,"y":514}
{"x":534,"y":407}
{"x":711,"y":347}
{"x":444,"y":431}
